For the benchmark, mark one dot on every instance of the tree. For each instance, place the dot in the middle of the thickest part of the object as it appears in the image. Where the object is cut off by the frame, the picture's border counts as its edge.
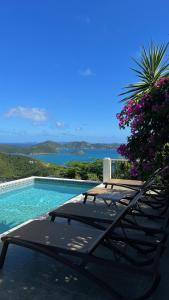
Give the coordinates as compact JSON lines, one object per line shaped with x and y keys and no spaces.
{"x":151,"y":67}
{"x":147,"y":114}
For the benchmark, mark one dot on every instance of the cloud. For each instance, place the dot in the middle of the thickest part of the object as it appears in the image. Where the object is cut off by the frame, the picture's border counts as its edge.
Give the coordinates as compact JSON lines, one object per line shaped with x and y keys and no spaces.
{"x":87,"y":72}
{"x":78,"y":129}
{"x":60,"y":124}
{"x":33,"y":113}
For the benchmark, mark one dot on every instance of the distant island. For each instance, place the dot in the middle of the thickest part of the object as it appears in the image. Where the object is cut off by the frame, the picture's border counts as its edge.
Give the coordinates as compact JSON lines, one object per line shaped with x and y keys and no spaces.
{"x":53,"y":147}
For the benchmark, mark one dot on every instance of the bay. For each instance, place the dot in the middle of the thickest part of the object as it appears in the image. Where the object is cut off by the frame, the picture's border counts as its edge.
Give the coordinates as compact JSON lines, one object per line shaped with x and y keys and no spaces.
{"x":88,"y":155}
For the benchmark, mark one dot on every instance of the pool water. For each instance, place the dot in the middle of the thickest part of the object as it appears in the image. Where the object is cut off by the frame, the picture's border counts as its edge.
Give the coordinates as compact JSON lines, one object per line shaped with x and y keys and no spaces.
{"x":24,"y":203}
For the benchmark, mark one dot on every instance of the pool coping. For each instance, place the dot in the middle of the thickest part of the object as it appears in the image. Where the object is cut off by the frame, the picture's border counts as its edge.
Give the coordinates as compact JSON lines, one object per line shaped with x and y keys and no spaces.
{"x":19,"y":182}
{"x":6,"y":186}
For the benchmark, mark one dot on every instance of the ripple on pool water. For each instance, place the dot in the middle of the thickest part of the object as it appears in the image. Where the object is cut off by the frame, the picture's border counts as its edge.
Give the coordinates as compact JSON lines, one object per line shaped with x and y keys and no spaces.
{"x":24,"y":203}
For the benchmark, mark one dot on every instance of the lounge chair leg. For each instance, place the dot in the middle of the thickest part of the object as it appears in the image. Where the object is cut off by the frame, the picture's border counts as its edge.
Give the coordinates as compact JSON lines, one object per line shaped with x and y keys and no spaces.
{"x":85,"y":198}
{"x":3,"y":253}
{"x":52,"y":218}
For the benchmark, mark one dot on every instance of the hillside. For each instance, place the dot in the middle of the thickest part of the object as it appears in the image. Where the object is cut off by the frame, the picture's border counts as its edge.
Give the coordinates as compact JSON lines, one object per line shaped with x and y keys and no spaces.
{"x":52,"y":147}
{"x":15,"y":166}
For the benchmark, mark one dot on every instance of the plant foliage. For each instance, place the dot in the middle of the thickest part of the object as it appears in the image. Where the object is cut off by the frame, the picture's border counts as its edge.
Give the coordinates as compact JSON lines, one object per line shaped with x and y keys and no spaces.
{"x":152,"y":65}
{"x":147,"y":114}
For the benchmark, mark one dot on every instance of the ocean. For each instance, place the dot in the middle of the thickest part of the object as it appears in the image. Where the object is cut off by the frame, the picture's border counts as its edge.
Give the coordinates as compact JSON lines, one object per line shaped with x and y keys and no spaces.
{"x":63,"y":157}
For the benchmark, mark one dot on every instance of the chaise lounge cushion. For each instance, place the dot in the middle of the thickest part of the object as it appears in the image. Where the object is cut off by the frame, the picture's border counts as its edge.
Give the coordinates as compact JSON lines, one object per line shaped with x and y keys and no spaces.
{"x":89,"y":210}
{"x":64,"y":236}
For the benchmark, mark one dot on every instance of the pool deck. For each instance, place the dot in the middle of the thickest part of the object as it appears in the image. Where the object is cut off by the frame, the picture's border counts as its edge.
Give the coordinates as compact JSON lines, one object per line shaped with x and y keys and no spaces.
{"x":29,"y":275}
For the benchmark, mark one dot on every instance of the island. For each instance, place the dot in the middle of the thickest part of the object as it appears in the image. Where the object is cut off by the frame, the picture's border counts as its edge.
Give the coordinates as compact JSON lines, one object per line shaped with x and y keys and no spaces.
{"x":53,"y":147}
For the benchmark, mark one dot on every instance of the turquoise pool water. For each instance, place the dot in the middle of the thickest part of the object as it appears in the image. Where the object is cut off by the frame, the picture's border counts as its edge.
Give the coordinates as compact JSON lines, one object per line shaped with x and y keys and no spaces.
{"x":23,"y":203}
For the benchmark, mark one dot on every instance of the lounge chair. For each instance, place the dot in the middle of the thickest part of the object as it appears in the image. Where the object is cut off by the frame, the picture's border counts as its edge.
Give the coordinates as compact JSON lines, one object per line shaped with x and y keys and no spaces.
{"x":64,"y":242}
{"x":128,"y":190}
{"x":131,"y":183}
{"x":124,"y":182}
{"x":134,"y":184}
{"x":137,"y":228}
{"x":117,"y":194}
{"x":98,"y":213}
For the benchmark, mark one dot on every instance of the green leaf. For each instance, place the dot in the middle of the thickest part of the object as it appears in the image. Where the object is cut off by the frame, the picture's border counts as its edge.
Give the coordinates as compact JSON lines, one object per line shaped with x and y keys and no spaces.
{"x":151,"y":68}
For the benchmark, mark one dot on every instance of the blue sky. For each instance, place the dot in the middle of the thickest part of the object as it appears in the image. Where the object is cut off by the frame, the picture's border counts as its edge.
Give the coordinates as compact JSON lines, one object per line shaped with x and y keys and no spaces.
{"x":63,"y":64}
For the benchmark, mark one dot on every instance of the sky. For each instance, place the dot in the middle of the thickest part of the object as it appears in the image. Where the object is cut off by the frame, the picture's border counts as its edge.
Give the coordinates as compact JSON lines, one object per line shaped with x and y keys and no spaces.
{"x":63,"y":64}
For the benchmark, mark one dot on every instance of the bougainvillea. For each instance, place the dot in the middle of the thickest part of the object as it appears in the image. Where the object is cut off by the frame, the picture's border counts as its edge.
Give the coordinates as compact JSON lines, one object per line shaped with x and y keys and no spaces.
{"x":148,"y":117}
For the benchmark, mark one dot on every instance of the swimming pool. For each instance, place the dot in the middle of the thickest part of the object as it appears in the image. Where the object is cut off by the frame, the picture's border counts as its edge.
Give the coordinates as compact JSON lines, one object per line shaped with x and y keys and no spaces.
{"x":29,"y":199}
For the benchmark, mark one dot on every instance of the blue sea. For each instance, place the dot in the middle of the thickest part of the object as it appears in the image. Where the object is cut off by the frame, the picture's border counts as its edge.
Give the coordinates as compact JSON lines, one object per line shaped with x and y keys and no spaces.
{"x":65,"y":156}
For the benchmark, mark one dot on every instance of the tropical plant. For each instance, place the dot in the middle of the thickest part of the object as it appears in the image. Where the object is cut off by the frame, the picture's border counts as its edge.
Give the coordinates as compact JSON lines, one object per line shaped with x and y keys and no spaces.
{"x":152,"y":65}
{"x":147,"y":114}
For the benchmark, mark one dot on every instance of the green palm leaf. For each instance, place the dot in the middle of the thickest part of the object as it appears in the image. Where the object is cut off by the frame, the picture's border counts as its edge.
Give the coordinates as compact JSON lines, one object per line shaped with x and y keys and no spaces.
{"x":151,"y":68}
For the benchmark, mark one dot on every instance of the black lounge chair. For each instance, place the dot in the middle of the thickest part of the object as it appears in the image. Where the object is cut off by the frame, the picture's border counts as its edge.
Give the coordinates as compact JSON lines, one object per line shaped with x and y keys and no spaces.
{"x":98,"y":215}
{"x":135,"y":184}
{"x":97,"y":193}
{"x":124,"y":182}
{"x":64,"y":242}
{"x":131,"y":183}
{"x":97,"y":212}
{"x":129,"y":192}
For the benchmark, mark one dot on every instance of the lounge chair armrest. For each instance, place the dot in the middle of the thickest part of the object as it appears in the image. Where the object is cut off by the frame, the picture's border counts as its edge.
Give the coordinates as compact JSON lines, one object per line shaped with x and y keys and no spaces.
{"x":134,"y":188}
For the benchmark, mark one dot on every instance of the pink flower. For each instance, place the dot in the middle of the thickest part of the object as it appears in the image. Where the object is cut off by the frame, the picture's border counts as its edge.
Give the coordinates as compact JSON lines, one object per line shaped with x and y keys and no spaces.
{"x":122,"y":149}
{"x":130,"y":102}
{"x":134,"y":171}
{"x":137,"y":107}
{"x":161,"y":82}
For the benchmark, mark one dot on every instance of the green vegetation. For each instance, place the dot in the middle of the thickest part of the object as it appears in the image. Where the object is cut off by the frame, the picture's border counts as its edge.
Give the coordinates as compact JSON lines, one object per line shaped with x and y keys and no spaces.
{"x":147,"y":115}
{"x":15,"y":167}
{"x":53,"y":147}
{"x":151,"y":67}
{"x":86,"y":170}
{"x":121,"y":169}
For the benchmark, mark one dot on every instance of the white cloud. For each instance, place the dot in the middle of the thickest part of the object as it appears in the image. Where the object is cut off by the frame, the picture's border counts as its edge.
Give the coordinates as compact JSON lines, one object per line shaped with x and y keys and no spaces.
{"x":78,"y":128}
{"x":87,"y":72}
{"x":33,"y":113}
{"x":60,"y":124}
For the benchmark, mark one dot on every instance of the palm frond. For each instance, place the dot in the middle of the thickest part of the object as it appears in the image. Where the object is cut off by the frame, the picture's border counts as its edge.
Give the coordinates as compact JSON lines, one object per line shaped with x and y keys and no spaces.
{"x":151,"y":68}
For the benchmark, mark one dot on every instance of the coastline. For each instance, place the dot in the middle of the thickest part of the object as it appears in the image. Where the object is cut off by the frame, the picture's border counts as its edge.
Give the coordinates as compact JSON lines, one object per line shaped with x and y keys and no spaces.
{"x":64,"y":157}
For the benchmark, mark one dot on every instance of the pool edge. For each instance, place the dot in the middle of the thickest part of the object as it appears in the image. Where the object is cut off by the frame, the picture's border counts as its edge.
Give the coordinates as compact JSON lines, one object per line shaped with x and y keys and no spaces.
{"x":46,"y":214}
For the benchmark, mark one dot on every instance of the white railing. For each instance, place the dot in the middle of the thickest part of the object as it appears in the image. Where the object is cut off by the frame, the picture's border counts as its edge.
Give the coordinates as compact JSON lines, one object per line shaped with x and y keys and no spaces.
{"x":108,"y":167}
